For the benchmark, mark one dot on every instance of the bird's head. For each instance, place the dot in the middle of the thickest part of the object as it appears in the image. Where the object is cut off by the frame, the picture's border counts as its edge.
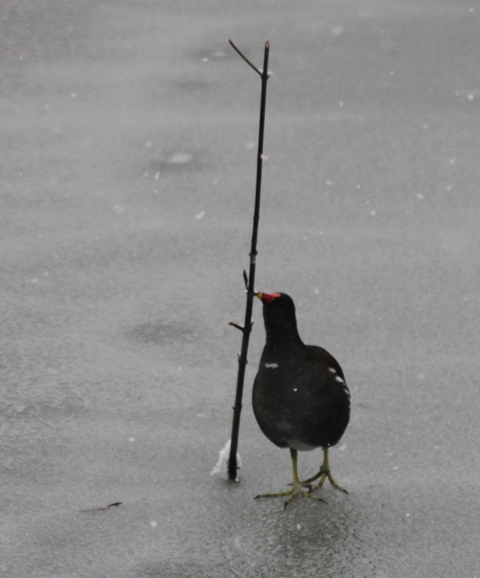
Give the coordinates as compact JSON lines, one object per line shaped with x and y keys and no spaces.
{"x":267,"y":298}
{"x":278,"y":313}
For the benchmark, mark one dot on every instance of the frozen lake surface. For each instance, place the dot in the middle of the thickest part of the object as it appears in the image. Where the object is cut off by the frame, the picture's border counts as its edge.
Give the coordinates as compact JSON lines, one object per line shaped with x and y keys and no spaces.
{"x":128,"y":171}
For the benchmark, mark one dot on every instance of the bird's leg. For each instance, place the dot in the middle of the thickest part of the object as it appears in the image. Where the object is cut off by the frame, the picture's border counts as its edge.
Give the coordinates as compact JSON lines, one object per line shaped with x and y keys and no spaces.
{"x":297,"y":488}
{"x":323,"y":474}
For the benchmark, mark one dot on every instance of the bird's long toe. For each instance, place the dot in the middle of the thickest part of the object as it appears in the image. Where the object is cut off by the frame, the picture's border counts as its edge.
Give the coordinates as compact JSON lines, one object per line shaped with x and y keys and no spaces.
{"x":324,"y":475}
{"x":275,"y":495}
{"x":292,"y":495}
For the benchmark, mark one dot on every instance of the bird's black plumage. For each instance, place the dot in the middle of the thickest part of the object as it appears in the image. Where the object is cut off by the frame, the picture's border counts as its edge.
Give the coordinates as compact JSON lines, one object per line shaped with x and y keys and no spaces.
{"x":300,"y":397}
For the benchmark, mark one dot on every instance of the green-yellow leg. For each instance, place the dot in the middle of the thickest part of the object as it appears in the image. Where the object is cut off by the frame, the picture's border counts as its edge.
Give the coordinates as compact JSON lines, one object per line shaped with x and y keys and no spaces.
{"x":323,"y":474}
{"x":297,"y":488}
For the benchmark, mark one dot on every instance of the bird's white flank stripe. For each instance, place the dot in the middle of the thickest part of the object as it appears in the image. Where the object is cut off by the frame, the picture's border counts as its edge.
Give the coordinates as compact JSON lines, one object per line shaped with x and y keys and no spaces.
{"x":271,"y":365}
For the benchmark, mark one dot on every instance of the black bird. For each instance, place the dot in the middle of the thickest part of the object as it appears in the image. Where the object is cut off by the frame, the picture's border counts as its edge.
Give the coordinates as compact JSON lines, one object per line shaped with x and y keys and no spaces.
{"x":300,"y":397}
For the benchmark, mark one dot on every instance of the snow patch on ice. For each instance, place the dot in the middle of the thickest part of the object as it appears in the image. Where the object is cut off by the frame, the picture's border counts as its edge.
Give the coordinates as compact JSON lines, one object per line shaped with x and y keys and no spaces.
{"x":180,"y":159}
{"x":199,"y":216}
{"x":222,"y":463}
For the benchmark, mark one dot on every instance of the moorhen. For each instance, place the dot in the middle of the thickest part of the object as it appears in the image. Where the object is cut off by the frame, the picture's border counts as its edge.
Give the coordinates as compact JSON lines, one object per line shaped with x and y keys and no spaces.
{"x":300,"y":398}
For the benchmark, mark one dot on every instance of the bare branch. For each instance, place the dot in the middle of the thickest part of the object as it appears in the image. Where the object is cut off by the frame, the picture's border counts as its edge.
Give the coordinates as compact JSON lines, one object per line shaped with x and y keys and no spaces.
{"x":250,"y":278}
{"x":259,"y":72}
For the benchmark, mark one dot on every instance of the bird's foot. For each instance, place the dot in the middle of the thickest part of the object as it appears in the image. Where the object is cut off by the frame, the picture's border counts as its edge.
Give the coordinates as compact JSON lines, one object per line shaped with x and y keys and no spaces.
{"x":323,"y":474}
{"x":293,"y":494}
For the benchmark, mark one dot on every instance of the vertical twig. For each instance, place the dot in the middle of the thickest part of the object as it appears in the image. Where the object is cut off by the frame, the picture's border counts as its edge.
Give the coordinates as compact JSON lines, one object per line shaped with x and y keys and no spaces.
{"x":250,"y":280}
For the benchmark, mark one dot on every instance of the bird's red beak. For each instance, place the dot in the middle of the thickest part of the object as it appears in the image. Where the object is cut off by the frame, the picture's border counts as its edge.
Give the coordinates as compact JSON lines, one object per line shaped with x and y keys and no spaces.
{"x":267,"y":297}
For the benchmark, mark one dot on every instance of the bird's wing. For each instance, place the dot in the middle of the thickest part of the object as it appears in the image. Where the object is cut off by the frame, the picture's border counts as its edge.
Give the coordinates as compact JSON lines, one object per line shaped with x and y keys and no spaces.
{"x":322,"y":357}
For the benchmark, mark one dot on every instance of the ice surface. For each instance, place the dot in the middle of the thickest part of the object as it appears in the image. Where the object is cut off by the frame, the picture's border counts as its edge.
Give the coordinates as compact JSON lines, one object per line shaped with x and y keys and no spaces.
{"x":101,"y":190}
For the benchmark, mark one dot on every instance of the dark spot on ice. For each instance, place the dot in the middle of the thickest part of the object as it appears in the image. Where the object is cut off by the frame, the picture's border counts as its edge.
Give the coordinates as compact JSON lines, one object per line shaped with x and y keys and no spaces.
{"x":160,"y":332}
